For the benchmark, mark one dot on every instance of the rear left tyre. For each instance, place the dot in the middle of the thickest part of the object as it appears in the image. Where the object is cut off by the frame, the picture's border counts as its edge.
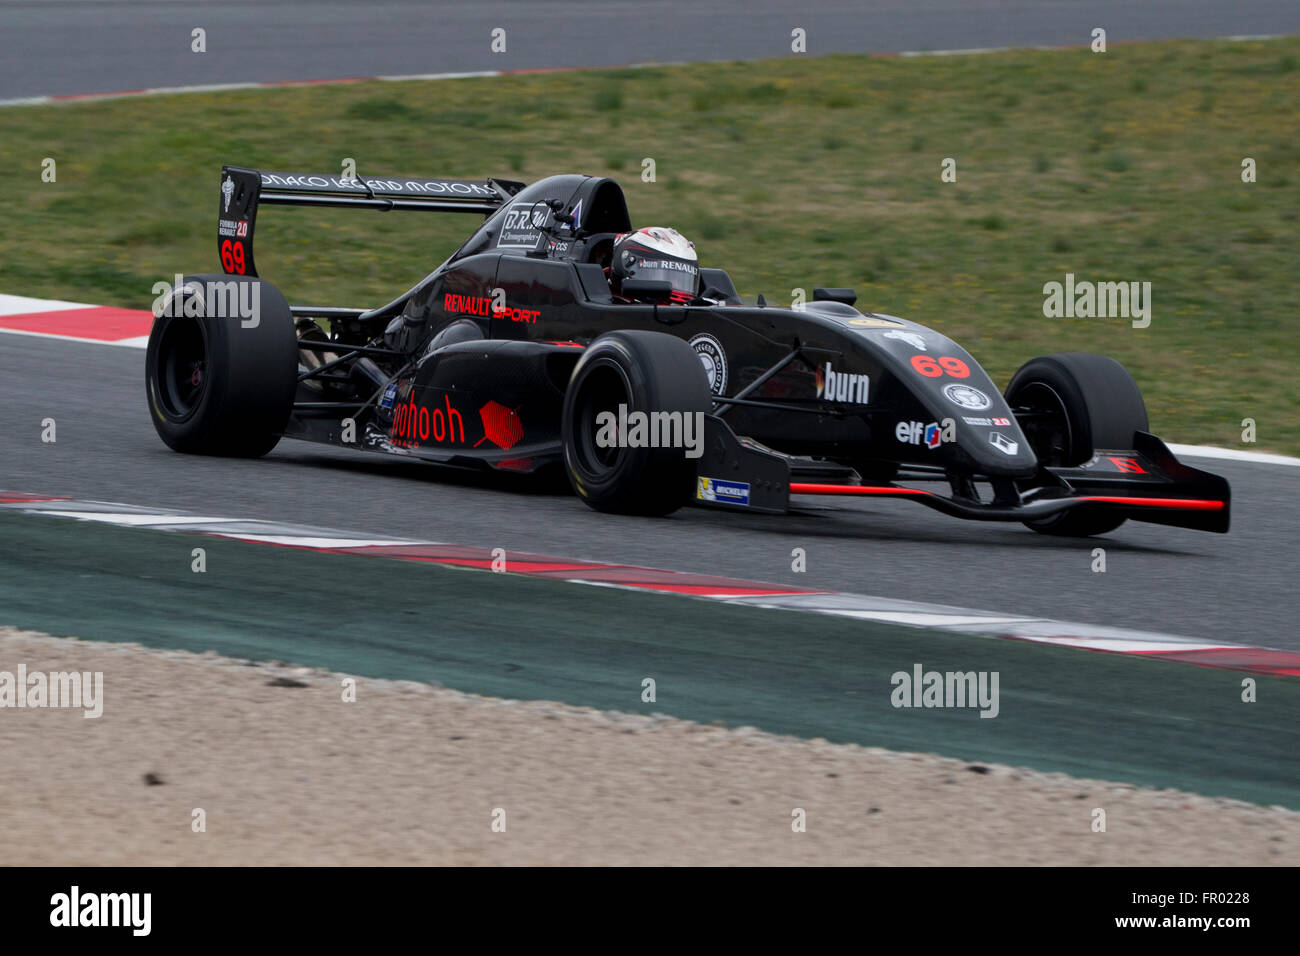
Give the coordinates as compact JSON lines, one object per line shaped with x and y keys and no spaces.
{"x":221,"y":380}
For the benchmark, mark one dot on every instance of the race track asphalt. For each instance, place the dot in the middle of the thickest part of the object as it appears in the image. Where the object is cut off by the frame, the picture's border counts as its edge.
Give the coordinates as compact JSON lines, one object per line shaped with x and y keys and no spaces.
{"x":1238,"y":587}
{"x":53,"y":47}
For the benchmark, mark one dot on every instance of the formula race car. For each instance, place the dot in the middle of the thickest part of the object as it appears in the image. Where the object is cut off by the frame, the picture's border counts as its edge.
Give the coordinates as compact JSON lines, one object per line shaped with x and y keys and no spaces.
{"x":556,"y":336}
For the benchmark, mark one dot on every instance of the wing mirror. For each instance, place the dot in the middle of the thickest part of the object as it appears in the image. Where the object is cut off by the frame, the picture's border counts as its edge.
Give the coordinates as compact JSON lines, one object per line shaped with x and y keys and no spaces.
{"x":847,"y":296}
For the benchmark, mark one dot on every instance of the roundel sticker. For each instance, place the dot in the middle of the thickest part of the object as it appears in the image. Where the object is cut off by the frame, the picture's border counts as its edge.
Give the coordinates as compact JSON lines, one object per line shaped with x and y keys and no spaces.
{"x":713,"y":359}
{"x":966,"y":397}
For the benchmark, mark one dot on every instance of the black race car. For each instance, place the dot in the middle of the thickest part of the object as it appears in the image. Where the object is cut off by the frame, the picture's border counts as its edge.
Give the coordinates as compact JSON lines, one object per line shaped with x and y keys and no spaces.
{"x":517,"y":354}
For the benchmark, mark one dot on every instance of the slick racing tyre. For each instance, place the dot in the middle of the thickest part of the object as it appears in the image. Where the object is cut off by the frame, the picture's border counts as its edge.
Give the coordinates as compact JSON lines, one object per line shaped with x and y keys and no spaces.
{"x":610,"y":466}
{"x":1081,"y":402}
{"x":221,"y":370}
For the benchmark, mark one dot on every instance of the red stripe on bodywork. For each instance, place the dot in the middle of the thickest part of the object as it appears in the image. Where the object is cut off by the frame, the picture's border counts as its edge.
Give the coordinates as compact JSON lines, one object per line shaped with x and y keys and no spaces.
{"x":801,"y":488}
{"x":1188,"y":504}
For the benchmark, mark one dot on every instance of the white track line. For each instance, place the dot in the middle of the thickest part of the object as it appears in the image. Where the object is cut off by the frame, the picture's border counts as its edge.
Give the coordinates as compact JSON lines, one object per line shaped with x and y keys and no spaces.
{"x":857,"y":606}
{"x":479,"y":74}
{"x":24,"y":305}
{"x":1233,"y":454}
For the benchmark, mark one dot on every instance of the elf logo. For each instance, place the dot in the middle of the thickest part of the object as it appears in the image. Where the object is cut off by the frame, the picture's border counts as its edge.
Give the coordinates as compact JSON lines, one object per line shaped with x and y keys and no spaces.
{"x":932,"y":435}
{"x":847,"y":387}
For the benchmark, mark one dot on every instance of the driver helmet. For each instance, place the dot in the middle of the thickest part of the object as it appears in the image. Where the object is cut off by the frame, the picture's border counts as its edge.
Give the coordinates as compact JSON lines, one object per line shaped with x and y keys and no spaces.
{"x":660,"y":254}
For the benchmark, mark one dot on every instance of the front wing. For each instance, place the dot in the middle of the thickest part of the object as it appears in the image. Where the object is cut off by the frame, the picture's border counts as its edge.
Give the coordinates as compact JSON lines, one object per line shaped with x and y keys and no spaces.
{"x":1145,"y":483}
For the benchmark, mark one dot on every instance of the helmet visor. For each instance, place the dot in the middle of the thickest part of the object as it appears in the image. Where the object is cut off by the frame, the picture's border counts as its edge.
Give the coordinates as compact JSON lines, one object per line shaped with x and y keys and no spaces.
{"x":682,"y":276}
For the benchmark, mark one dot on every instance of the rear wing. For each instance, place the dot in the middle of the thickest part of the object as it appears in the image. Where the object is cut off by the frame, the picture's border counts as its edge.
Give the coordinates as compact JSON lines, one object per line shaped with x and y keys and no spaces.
{"x":243,"y":190}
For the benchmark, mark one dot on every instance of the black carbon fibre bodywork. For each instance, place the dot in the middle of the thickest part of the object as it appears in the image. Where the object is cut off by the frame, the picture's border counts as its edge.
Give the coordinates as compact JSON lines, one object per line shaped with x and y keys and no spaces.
{"x":469,"y":367}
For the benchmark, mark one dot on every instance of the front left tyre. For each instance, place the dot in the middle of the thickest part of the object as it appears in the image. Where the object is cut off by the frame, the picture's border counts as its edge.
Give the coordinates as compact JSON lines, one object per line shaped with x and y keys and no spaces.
{"x":644,"y":374}
{"x":222,"y":365}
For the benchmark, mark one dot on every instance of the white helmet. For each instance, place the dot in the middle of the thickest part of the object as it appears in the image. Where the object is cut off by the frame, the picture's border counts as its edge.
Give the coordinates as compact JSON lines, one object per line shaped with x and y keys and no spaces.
{"x":657,"y":253}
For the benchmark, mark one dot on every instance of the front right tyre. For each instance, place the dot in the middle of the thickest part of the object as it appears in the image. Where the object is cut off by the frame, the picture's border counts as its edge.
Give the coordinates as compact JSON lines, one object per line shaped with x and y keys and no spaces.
{"x":1076,"y":402}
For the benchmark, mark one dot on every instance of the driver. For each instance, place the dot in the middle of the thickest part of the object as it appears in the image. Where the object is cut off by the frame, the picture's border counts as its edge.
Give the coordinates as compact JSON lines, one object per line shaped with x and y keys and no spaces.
{"x":659,"y":254}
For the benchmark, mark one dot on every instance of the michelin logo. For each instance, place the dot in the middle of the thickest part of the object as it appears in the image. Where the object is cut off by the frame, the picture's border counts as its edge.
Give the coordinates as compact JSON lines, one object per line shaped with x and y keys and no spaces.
{"x":728,"y":492}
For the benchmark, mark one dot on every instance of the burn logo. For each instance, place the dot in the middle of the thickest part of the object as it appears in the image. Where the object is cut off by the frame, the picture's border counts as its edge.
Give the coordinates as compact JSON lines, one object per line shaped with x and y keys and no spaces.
{"x":846,"y":387}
